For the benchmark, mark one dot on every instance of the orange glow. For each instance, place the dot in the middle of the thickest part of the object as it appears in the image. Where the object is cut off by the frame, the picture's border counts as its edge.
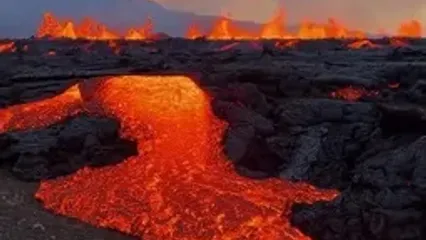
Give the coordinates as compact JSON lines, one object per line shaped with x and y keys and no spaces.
{"x":412,"y":29}
{"x":286,"y":44}
{"x":223,"y":28}
{"x":364,"y":43}
{"x":49,"y":111}
{"x":7,"y":47}
{"x":51,"y":53}
{"x":275,"y":28}
{"x":87,"y":29}
{"x":352,"y":93}
{"x":180,"y":186}
{"x":193,"y":32}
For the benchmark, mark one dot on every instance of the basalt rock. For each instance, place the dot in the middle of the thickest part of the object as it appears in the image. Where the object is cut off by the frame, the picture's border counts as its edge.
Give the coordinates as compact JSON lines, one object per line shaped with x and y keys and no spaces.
{"x":64,"y":148}
{"x":372,"y":151}
{"x":384,"y":200}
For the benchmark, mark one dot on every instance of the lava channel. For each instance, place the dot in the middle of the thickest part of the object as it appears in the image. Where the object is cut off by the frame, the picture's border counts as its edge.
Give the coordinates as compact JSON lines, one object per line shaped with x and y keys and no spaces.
{"x":180,"y":186}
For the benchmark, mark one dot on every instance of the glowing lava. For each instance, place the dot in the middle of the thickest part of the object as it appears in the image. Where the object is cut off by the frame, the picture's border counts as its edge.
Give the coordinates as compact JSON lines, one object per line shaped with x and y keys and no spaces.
{"x":222,"y":28}
{"x":180,"y":186}
{"x":365,"y":43}
{"x":352,"y":93}
{"x":49,"y":111}
{"x":7,"y":47}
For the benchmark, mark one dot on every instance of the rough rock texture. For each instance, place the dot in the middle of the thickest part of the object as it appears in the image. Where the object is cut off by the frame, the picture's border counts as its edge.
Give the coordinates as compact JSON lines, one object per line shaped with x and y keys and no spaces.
{"x":287,"y":117}
{"x":64,"y":148}
{"x":372,"y":150}
{"x":385,"y":199}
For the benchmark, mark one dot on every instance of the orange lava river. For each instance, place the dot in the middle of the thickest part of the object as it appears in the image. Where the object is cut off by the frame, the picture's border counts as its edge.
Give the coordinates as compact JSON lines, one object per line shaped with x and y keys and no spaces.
{"x":180,"y":186}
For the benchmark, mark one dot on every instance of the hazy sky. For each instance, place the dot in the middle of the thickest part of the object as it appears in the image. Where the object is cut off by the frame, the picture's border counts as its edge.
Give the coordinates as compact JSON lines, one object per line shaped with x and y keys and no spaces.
{"x":368,"y":14}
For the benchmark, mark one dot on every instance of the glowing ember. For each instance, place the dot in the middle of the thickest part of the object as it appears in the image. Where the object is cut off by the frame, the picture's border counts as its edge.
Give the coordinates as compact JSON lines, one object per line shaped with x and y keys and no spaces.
{"x":7,"y":47}
{"x":223,"y":28}
{"x":352,"y":93}
{"x":363,"y":44}
{"x":51,"y":53}
{"x":286,"y":44}
{"x":393,"y":85}
{"x":180,"y":186}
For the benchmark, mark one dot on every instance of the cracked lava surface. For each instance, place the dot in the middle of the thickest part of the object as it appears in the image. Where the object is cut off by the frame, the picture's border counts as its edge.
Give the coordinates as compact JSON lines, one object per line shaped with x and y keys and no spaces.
{"x":180,"y":186}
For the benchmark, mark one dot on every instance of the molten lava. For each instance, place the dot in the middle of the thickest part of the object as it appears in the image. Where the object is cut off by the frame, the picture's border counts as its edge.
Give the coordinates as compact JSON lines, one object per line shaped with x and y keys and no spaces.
{"x":7,"y":47}
{"x":180,"y":186}
{"x":364,"y":43}
{"x":87,"y":29}
{"x":223,"y":28}
{"x":352,"y":93}
{"x":49,"y":111}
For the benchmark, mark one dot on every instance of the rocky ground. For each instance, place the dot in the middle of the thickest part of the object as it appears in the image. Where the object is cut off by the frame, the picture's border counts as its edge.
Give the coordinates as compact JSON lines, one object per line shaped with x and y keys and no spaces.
{"x":289,"y":117}
{"x":22,"y":217}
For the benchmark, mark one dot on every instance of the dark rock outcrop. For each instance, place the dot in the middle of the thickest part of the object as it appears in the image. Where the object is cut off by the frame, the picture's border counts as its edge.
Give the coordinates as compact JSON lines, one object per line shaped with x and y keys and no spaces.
{"x":64,"y":148}
{"x":373,"y":151}
{"x":385,"y":198}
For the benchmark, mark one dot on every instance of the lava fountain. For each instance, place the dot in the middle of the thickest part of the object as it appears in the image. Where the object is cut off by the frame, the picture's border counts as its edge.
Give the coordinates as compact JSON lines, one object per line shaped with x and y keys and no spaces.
{"x":180,"y":185}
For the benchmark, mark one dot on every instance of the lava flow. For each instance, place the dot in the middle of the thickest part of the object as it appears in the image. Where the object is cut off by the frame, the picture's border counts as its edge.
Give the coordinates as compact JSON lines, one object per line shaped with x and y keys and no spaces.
{"x":180,"y":186}
{"x":7,"y":47}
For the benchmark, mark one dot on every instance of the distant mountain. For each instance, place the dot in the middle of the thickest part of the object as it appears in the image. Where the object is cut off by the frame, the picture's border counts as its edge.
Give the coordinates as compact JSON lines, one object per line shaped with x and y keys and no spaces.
{"x":20,"y":18}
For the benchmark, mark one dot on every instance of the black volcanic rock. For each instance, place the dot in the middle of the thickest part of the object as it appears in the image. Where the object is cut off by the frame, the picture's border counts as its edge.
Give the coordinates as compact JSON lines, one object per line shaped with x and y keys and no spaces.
{"x":372,"y":151}
{"x":64,"y":148}
{"x":385,"y":199}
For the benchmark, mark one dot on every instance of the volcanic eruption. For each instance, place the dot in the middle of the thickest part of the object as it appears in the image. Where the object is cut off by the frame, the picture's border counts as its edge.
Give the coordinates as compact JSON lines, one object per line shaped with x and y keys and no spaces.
{"x":223,"y":28}
{"x":225,"y":133}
